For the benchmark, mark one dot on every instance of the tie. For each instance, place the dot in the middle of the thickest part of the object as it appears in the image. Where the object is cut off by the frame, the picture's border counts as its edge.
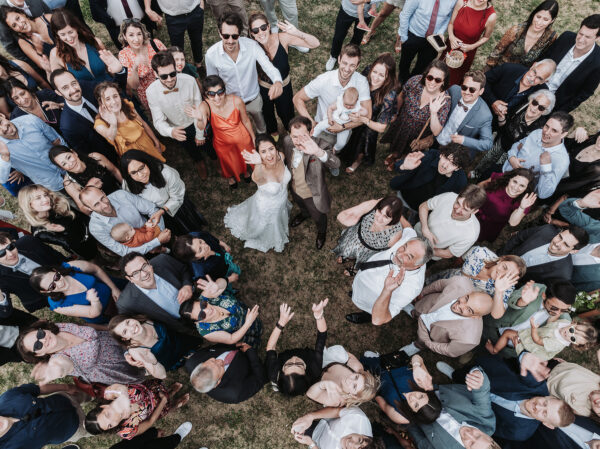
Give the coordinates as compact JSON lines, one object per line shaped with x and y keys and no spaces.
{"x":433,"y":19}
{"x":229,"y":357}
{"x":169,"y":91}
{"x":375,"y":264}
{"x":462,"y":105}
{"x":90,"y":110}
{"x":127,"y":9}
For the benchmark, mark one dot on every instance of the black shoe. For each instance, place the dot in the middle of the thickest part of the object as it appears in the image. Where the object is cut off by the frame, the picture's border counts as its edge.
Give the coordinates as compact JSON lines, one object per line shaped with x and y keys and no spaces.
{"x":359,"y":317}
{"x":248,"y":179}
{"x":297,"y":220}
{"x":233,"y":186}
{"x":321,"y":240}
{"x":350,"y":293}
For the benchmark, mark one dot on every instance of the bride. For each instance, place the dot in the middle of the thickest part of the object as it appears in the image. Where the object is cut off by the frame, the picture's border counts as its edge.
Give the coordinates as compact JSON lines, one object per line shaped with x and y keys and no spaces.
{"x":262,"y":220}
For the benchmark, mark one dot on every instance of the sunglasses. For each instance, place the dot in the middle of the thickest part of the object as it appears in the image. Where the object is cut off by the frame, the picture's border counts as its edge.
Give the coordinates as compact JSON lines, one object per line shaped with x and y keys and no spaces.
{"x":235,"y":37}
{"x":214,"y":93}
{"x":41,"y":333}
{"x":166,"y":76}
{"x":138,"y":171}
{"x":465,"y":88}
{"x":572,"y":331}
{"x":202,"y":314}
{"x":7,"y":248}
{"x":55,"y":279}
{"x":539,"y":106}
{"x":136,"y":273}
{"x":433,"y":78}
{"x":558,"y":309}
{"x":131,"y":20}
{"x":263,"y":27}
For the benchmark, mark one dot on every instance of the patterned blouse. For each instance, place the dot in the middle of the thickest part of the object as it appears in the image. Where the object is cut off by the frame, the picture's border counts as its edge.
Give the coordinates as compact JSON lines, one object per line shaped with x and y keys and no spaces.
{"x":511,"y":47}
{"x":146,"y":396}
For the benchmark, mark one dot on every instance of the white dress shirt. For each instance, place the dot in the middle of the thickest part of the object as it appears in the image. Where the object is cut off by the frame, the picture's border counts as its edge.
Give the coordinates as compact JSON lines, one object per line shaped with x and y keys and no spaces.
{"x":580,"y":435}
{"x":299,"y":154}
{"x":82,"y":111}
{"x":565,"y":67}
{"x":168,"y":108}
{"x":326,"y":88}
{"x":540,"y":256}
{"x":452,"y":426}
{"x":368,"y":284}
{"x":457,"y":116}
{"x":329,"y":432}
{"x":512,"y":406}
{"x":241,"y":77}
{"x":584,"y":255}
{"x":116,"y":11}
{"x":164,"y":296}
{"x":177,"y":7}
{"x":25,"y":265}
{"x":444,"y":313}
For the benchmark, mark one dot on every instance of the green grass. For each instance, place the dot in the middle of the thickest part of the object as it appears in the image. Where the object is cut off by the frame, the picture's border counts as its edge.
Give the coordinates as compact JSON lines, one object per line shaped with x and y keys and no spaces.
{"x":301,"y":275}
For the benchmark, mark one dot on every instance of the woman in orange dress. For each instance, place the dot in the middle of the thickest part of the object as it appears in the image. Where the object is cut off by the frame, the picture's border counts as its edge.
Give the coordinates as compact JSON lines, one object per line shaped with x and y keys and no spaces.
{"x":232,"y":130}
{"x":121,"y":125}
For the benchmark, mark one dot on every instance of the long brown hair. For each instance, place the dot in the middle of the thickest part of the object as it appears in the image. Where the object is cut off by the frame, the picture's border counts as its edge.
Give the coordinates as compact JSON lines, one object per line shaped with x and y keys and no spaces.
{"x":502,"y":181}
{"x":390,"y":83}
{"x":62,"y":18}
{"x":126,"y":107}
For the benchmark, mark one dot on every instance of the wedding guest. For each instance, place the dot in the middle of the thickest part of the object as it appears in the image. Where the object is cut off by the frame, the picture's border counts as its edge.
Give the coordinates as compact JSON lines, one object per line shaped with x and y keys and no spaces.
{"x":44,"y":104}
{"x":388,"y":7}
{"x":289,"y":10}
{"x":34,"y":9}
{"x":21,"y":71}
{"x":12,"y":321}
{"x":112,"y":16}
{"x":220,"y":7}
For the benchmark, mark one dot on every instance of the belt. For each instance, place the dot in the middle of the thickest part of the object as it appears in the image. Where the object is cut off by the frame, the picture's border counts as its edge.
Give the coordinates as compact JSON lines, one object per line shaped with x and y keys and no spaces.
{"x":266,"y":85}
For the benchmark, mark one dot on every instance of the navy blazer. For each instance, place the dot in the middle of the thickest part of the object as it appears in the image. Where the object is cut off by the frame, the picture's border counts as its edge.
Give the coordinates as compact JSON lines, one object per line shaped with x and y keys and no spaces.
{"x":582,"y":82}
{"x":501,"y":80}
{"x":546,"y":438}
{"x":476,"y":127}
{"x":243,"y":379}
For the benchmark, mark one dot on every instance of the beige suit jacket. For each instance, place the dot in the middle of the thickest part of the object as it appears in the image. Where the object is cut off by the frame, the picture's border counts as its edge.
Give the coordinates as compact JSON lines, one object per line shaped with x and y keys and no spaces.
{"x":451,"y":338}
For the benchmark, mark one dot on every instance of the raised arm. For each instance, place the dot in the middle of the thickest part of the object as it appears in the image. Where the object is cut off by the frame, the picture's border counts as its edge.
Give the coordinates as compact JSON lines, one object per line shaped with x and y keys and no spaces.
{"x":352,"y":215}
{"x":232,"y":338}
{"x":285,"y":315}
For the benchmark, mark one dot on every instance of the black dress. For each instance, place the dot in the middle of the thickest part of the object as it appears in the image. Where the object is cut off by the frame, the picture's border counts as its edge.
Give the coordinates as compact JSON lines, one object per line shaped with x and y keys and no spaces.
{"x":284,"y":103}
{"x":583,"y":176}
{"x":94,"y":170}
{"x":74,"y":239}
{"x":51,"y":116}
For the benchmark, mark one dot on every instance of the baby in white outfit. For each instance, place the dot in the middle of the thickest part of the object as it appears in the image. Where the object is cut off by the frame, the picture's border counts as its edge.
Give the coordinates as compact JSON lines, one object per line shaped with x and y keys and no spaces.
{"x":339,"y":112}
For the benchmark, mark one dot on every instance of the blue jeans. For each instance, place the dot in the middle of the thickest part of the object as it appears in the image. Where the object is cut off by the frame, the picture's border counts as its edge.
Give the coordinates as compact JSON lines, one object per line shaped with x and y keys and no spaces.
{"x":193,"y":23}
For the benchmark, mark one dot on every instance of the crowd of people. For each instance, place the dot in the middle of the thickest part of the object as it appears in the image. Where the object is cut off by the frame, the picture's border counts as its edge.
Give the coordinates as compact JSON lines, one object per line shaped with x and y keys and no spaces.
{"x":483,"y":174}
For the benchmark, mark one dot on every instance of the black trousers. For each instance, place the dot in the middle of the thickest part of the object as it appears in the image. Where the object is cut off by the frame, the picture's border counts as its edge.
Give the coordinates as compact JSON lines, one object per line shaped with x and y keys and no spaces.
{"x":195,"y":151}
{"x":343,"y":22}
{"x":149,"y":440}
{"x":414,"y":46}
{"x":193,"y":23}
{"x":283,"y":104}
{"x":308,"y":209}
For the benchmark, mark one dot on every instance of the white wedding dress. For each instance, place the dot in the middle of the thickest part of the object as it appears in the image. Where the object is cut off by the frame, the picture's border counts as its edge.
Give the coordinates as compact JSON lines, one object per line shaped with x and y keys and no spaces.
{"x":262,"y":220}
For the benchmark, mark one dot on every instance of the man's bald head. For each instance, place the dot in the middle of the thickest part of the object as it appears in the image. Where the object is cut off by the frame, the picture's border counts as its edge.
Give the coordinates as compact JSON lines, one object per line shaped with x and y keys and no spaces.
{"x":96,"y":200}
{"x":474,"y":304}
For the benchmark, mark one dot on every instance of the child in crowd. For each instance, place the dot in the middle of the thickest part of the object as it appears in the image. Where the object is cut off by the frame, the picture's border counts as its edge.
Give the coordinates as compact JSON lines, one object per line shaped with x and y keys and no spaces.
{"x":547,"y":341}
{"x":180,"y":65}
{"x":339,"y":112}
{"x":133,"y":237}
{"x":360,"y":11}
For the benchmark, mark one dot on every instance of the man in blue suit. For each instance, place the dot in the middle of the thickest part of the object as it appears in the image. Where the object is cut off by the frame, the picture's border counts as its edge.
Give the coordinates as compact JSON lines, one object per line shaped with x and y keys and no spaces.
{"x":470,"y":120}
{"x":583,"y":433}
{"x":81,"y":107}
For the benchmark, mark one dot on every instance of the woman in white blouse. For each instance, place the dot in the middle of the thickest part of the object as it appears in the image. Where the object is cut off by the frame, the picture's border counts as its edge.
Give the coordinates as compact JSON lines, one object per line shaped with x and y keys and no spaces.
{"x":149,"y":178}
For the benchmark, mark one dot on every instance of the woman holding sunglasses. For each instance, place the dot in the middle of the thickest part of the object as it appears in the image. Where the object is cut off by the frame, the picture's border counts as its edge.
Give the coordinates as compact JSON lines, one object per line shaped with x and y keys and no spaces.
{"x":138,"y":50}
{"x":151,"y":345}
{"x":424,"y":108}
{"x":66,"y":349}
{"x":276,"y":47}
{"x":219,"y":317}
{"x":79,"y":289}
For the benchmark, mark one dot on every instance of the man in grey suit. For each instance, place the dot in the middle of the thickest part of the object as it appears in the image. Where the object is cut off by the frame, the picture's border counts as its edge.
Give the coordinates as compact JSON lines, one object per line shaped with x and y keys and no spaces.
{"x":156,"y":288}
{"x":306,"y":158}
{"x":470,"y":119}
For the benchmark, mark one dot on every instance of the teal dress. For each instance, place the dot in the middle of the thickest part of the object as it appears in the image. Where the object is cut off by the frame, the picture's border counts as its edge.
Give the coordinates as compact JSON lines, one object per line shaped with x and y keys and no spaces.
{"x":79,"y":299}
{"x":173,"y":348}
{"x":98,"y":73}
{"x":237,"y":316}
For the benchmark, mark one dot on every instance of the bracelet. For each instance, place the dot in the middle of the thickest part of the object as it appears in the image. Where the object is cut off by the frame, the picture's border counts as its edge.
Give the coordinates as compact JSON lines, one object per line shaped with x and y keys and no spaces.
{"x":320,"y":316}
{"x":279,"y":326}
{"x":311,"y":446}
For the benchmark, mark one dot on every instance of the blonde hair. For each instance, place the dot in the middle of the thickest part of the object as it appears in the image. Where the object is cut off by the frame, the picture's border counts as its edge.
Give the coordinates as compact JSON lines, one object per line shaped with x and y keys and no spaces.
{"x":351,"y":95}
{"x":590,"y":335}
{"x":60,"y":204}
{"x":119,"y":232}
{"x":372,"y":384}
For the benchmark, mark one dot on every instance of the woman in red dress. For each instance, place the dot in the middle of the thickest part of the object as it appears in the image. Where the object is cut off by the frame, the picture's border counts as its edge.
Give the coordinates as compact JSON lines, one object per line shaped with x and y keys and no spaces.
{"x":471,"y":25}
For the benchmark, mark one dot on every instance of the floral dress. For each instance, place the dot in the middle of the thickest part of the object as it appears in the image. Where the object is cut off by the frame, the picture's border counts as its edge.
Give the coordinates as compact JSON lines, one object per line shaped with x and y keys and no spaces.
{"x":474,"y":261}
{"x":237,"y":316}
{"x":359,"y":242}
{"x":412,"y":118}
{"x":147,"y":397}
{"x":99,"y":358}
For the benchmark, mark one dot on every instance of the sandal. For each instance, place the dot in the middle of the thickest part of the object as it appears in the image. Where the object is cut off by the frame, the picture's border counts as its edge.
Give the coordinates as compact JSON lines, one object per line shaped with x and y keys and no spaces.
{"x":390,"y":159}
{"x":175,"y":388}
{"x":341,"y":260}
{"x":182,"y":401}
{"x":350,"y":272}
{"x":366,"y":38}
{"x":350,"y":170}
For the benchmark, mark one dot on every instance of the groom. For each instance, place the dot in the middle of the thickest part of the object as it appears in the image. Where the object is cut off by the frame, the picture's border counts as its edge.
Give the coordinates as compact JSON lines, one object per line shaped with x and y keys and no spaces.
{"x":306,"y":158}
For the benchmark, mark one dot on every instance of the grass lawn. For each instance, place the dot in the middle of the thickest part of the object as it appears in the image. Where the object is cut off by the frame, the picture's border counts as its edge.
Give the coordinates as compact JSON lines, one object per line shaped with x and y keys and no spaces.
{"x":301,"y":275}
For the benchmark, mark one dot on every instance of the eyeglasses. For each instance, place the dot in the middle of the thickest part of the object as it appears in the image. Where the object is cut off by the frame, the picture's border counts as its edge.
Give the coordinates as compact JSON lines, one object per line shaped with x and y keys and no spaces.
{"x":433,"y":78}
{"x":41,"y":333}
{"x":166,"y":76}
{"x":131,"y":20}
{"x":535,"y":103}
{"x":202,"y":314}
{"x":465,"y":88}
{"x":214,"y":93}
{"x":55,"y":279}
{"x":137,"y":273}
{"x":8,"y":247}
{"x":263,"y":27}
{"x":288,"y":364}
{"x":235,"y":37}
{"x":138,"y":171}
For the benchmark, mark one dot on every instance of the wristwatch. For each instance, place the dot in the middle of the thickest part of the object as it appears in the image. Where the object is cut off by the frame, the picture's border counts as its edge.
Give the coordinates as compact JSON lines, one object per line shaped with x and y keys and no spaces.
{"x":311,"y":446}
{"x":343,"y":126}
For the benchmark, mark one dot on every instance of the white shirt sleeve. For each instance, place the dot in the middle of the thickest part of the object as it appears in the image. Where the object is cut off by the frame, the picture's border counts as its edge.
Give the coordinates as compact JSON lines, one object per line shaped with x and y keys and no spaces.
{"x":158,"y":117}
{"x":5,"y":167}
{"x":313,"y":89}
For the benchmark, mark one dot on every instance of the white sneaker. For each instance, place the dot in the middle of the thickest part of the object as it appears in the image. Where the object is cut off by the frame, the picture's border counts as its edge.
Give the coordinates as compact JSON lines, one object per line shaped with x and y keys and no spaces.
{"x":300,"y":49}
{"x":445,"y":369}
{"x":371,"y":354}
{"x":410,"y":349}
{"x":409,"y":309}
{"x":330,"y":63}
{"x":184,"y":429}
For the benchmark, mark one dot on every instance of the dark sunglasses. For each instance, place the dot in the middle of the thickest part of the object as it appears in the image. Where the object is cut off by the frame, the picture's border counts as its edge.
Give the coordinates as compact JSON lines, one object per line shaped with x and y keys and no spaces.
{"x":55,"y":279}
{"x":541,"y":108}
{"x":470,"y":89}
{"x":433,"y":78}
{"x":214,"y":93}
{"x":8,"y":247}
{"x":558,"y":309}
{"x":572,"y":331}
{"x":235,"y":37}
{"x":202,"y":314}
{"x":131,"y":20}
{"x":263,"y":27}
{"x":166,"y":76}
{"x":41,"y":333}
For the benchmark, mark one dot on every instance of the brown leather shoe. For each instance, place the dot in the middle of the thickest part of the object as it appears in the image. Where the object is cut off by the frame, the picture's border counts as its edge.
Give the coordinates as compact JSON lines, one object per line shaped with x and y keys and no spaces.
{"x":201,"y":167}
